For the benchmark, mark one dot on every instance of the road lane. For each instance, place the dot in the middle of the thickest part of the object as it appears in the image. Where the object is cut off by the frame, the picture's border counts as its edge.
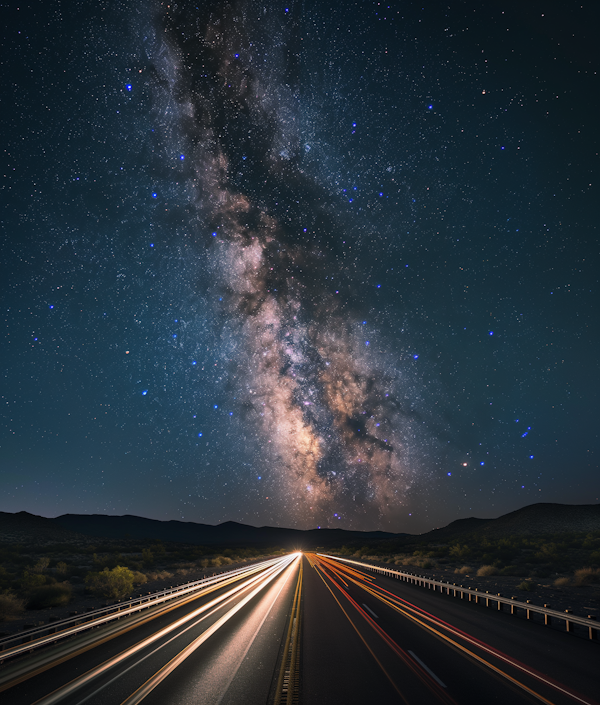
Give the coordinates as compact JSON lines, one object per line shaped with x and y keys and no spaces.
{"x":212,"y":671}
{"x":337,"y":666}
{"x":504,"y":660}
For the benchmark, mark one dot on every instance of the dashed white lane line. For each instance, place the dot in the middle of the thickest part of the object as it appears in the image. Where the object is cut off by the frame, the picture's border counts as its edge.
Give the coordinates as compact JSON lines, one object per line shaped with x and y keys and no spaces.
{"x":431,"y":673}
{"x":370,"y":610}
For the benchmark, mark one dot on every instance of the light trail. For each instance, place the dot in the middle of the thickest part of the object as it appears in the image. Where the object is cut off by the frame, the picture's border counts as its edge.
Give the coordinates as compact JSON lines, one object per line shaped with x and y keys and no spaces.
{"x":166,"y":670}
{"x":210,"y":608}
{"x":417,"y":615}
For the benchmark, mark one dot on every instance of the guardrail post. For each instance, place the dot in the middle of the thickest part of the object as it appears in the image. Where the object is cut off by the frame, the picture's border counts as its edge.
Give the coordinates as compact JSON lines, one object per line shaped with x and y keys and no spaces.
{"x":593,"y":632}
{"x":528,"y":611}
{"x":568,"y":625}
{"x":499,"y":603}
{"x":547,"y":617}
{"x":487,"y":599}
{"x":512,"y":607}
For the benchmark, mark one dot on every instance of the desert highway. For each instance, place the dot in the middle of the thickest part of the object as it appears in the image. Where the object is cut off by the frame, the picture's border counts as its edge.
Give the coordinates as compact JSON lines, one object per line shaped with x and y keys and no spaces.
{"x":302,"y":629}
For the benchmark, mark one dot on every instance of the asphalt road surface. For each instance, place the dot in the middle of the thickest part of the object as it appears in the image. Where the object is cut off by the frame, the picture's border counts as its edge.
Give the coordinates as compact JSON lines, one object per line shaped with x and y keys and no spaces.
{"x":304,"y":629}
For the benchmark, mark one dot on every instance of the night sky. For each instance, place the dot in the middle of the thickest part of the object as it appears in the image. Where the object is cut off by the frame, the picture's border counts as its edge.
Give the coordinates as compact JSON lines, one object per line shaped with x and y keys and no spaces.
{"x":300,"y":263}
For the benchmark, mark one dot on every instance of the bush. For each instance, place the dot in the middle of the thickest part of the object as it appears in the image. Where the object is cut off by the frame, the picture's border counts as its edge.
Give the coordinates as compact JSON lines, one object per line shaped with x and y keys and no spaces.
{"x":527,"y":585}
{"x":113,"y":584}
{"x":219,"y":561}
{"x":10,"y":606}
{"x":562,"y":582}
{"x":139,"y":578}
{"x":511,"y":570}
{"x":147,"y":557}
{"x":487,"y":570}
{"x":160,"y":575}
{"x":61,"y":568}
{"x":463,"y":570}
{"x":49,"y":596}
{"x":42,"y":565}
{"x":586,"y":576}
{"x":32,"y":580}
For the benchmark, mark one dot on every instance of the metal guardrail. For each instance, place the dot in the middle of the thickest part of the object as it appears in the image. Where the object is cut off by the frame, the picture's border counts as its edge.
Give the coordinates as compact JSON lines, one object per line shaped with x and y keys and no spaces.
{"x":480,"y":597}
{"x":99,"y":617}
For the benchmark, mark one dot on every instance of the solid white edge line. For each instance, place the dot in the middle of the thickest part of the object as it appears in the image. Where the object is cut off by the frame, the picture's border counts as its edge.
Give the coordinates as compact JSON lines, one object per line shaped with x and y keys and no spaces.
{"x":431,"y":673}
{"x":370,"y":610}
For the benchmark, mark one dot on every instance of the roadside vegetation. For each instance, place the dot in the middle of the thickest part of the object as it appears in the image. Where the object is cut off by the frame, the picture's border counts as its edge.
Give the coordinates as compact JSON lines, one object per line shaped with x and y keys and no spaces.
{"x":35,"y":578}
{"x":567,"y":559}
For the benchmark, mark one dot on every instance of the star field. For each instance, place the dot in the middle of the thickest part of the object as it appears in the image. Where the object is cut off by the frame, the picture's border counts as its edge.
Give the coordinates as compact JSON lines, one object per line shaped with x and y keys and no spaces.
{"x":295,"y":265}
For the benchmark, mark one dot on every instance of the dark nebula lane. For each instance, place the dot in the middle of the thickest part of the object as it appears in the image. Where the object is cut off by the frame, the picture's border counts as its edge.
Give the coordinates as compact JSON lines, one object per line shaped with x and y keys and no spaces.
{"x":311,"y":387}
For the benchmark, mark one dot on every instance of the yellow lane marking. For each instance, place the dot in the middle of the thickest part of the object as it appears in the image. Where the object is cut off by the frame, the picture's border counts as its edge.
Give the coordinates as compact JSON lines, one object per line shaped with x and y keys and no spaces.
{"x":295,"y":616}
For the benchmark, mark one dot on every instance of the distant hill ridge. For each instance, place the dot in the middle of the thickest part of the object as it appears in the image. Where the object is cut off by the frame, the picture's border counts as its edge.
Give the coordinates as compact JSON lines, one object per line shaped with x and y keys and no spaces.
{"x":532,"y":520}
{"x":230,"y":532}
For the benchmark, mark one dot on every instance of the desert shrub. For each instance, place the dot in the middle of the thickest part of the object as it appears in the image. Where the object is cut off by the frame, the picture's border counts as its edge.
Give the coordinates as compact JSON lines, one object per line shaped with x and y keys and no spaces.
{"x":160,"y":575}
{"x":32,"y":580}
{"x":139,"y":578}
{"x":10,"y":606}
{"x":113,"y":584}
{"x":527,"y":585}
{"x":61,"y":568}
{"x":459,"y":552}
{"x":221,"y":560}
{"x":562,"y":582}
{"x":400,"y":559}
{"x":463,"y":570}
{"x":586,"y":576}
{"x":487,"y":570}
{"x":49,"y":596}
{"x":42,"y":565}
{"x":147,"y":557}
{"x":595,"y":556}
{"x":510,"y":570}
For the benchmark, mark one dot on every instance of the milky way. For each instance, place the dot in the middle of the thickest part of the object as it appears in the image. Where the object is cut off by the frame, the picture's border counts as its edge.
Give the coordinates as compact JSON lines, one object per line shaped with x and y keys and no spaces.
{"x":320,"y":396}
{"x":299,"y":265}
